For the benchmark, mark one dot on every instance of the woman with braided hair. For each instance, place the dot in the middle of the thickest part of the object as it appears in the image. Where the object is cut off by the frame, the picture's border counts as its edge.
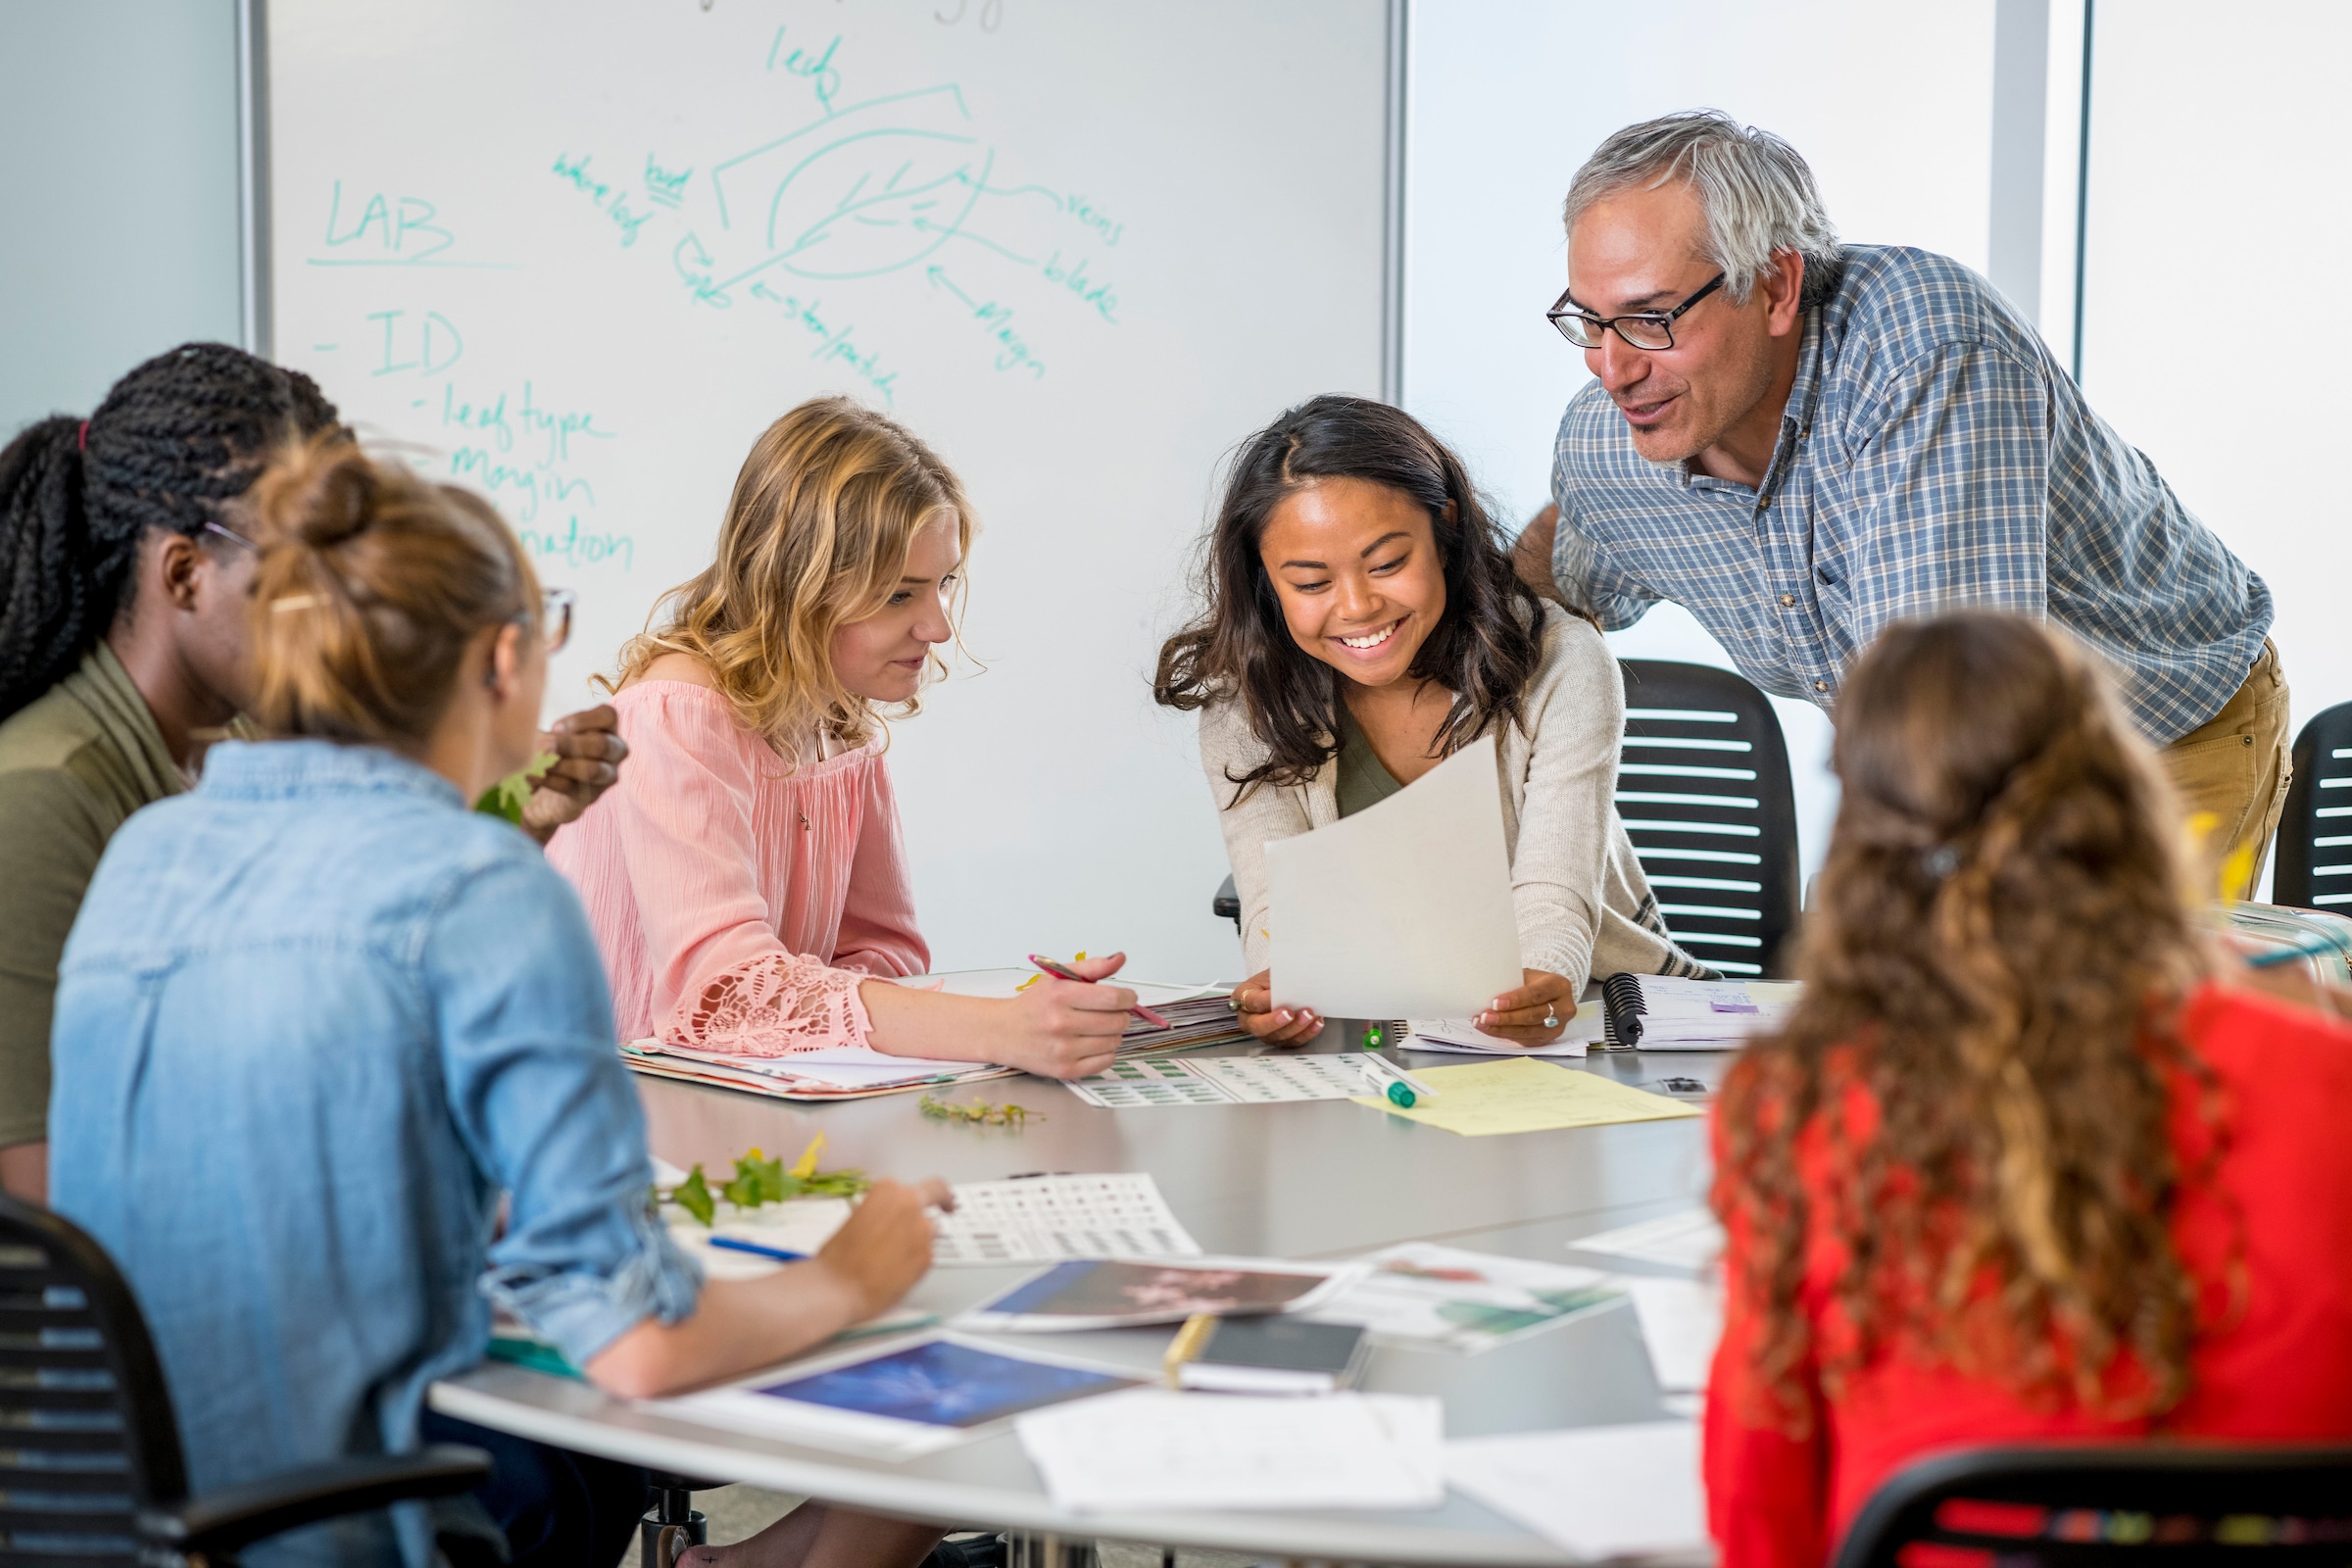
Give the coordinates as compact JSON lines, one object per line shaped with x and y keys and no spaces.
{"x":126,"y":565}
{"x":2026,"y":1162}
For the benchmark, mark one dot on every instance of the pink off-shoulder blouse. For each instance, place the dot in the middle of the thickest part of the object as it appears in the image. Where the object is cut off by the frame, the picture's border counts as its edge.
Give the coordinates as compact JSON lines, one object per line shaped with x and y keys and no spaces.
{"x":739,"y":899}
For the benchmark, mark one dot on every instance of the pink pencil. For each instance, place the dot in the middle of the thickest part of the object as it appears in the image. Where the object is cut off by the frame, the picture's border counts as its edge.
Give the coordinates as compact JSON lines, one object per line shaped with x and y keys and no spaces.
{"x":1062,"y":971}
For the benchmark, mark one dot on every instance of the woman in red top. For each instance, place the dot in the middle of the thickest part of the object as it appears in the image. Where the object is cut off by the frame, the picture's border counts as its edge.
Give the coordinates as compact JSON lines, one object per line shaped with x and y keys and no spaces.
{"x":2019,"y":1167}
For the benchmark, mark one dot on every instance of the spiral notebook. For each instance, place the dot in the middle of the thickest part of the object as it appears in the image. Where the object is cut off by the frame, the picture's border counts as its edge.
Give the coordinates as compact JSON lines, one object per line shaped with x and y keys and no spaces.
{"x":1663,"y":1013}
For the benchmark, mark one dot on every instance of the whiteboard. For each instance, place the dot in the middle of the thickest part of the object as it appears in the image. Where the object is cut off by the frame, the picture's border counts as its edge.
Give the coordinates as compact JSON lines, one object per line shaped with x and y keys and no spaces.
{"x":579,"y":253}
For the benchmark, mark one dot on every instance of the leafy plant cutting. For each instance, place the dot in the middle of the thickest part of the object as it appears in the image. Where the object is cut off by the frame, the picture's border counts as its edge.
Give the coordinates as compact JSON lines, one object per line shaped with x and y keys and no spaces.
{"x":509,"y":795}
{"x":978,"y":1113}
{"x":760,"y":1180}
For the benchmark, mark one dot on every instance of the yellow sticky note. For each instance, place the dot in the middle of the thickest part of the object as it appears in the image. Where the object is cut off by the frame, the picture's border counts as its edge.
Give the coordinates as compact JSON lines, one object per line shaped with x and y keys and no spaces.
{"x":1520,"y":1095}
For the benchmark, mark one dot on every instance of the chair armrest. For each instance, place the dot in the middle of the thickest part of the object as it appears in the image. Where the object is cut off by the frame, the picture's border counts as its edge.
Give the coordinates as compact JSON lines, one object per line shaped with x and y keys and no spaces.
{"x":236,"y":1516}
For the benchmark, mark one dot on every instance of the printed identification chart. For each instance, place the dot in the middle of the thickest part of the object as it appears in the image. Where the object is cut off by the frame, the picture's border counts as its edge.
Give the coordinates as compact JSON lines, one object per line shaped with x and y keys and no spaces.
{"x":1224,"y":1081}
{"x":1044,"y":1219}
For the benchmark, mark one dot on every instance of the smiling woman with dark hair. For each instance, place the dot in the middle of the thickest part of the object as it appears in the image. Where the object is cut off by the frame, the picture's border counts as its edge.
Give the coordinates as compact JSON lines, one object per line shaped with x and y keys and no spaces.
{"x":1363,"y":625}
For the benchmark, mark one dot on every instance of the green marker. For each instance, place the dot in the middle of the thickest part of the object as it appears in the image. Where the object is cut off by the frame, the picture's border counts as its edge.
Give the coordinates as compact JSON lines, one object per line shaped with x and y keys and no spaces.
{"x":1372,"y":1041}
{"x":1401,"y":1096}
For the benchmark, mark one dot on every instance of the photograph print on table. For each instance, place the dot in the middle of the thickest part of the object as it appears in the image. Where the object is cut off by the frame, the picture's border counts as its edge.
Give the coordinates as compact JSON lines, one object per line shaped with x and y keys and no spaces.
{"x":1120,"y":1294}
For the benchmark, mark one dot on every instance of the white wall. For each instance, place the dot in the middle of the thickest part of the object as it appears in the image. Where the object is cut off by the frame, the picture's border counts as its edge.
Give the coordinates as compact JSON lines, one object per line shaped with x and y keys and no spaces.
{"x":118,"y":192}
{"x":2215,"y":333}
{"x":1891,"y":105}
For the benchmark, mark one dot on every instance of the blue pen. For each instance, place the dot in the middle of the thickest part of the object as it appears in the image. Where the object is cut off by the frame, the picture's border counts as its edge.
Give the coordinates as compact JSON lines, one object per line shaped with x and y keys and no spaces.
{"x":780,"y":1254}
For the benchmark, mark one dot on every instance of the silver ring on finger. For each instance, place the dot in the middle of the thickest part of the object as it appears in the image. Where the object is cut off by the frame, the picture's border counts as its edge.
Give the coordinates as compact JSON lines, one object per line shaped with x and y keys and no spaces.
{"x":1551,"y":1018}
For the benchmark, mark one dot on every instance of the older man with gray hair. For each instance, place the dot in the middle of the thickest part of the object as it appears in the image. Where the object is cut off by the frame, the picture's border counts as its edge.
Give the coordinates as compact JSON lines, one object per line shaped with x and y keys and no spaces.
{"x":1801,"y":441}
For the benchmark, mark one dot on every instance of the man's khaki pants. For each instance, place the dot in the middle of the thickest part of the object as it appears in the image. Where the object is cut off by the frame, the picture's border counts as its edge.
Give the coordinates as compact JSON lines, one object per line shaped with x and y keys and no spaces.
{"x":2234,"y":769}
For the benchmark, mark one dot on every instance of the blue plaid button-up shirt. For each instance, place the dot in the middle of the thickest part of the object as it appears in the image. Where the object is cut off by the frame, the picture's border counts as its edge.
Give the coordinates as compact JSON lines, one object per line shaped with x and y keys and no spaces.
{"x":1932,"y":455}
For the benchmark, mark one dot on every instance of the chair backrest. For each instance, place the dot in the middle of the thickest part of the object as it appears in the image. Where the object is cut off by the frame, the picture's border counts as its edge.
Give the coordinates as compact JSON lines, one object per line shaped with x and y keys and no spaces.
{"x":2315,"y":831}
{"x":1705,"y":791}
{"x":2109,"y":1503}
{"x":87,"y":1431}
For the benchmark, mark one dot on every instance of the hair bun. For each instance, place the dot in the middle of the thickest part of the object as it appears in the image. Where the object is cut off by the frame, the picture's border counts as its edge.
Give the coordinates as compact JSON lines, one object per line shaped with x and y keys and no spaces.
{"x":318,"y":494}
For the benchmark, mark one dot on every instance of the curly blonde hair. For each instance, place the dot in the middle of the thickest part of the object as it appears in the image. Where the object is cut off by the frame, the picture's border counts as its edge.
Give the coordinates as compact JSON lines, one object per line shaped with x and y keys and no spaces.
{"x":1998,"y":953}
{"x":816,"y":537}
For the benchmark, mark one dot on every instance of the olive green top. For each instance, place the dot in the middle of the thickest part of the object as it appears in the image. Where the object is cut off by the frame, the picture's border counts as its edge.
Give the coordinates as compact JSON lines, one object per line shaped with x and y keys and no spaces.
{"x":1363,"y":780}
{"x":73,"y":764}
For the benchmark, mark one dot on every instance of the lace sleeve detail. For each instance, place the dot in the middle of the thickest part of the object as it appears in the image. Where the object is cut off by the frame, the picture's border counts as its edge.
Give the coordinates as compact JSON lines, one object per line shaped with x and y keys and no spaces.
{"x":772,"y":1006}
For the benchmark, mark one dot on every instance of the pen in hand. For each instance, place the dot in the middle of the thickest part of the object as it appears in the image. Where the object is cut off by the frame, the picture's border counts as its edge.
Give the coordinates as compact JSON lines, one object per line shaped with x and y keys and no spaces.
{"x":1062,"y":971}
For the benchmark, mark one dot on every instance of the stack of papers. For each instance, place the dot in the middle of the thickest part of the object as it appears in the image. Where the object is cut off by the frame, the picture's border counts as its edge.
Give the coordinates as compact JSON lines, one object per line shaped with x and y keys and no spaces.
{"x":1155,"y":1448}
{"x":1462,"y":1035}
{"x":835,"y":1072}
{"x":1422,"y":1293}
{"x":1227,"y":1081}
{"x":1198,"y":1015}
{"x":1661,"y":1012}
{"x":1600,"y":1492}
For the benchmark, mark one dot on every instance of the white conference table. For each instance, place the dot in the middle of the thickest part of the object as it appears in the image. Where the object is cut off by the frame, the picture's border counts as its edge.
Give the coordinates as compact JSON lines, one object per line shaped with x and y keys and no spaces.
{"x":1323,"y":1179}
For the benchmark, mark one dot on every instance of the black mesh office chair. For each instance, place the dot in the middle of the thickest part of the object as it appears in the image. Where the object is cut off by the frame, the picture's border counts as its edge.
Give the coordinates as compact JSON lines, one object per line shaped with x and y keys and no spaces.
{"x":2315,"y":830}
{"x":2111,"y":1504}
{"x":91,"y":1467}
{"x":1704,"y":790}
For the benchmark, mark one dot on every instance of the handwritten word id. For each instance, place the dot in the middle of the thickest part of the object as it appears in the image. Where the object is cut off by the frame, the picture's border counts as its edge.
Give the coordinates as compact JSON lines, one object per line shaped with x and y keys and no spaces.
{"x":428,"y":345}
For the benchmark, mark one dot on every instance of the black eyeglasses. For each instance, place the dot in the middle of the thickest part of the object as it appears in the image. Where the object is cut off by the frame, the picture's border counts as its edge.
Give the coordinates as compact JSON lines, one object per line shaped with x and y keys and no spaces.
{"x":1646,"y":329}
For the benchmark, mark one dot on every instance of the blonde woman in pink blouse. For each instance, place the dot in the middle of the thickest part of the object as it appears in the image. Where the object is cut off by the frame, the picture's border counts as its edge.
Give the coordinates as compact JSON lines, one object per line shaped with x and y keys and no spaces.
{"x":747,"y":880}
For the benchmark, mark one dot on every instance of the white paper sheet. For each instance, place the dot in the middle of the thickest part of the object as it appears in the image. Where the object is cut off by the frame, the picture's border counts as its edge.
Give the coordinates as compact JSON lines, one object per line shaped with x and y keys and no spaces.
{"x":1155,"y":1448}
{"x":1600,"y":1492}
{"x":1681,"y":1322}
{"x":797,"y":1225}
{"x":1032,"y":1219}
{"x":1226,"y":1081}
{"x":1691,"y":1240}
{"x":1044,"y":1219}
{"x":1466,"y":1036}
{"x":1403,"y":910}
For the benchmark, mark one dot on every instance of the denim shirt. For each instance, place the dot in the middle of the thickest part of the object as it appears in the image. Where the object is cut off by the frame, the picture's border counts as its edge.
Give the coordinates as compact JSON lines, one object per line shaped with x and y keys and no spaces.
{"x":315,"y":1016}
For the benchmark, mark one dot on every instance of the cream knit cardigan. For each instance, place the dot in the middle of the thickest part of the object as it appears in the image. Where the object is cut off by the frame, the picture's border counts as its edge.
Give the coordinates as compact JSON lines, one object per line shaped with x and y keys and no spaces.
{"x":1586,"y":910}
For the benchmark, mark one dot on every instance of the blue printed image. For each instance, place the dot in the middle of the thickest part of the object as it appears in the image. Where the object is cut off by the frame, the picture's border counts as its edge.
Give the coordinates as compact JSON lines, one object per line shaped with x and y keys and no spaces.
{"x":942,"y":1384}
